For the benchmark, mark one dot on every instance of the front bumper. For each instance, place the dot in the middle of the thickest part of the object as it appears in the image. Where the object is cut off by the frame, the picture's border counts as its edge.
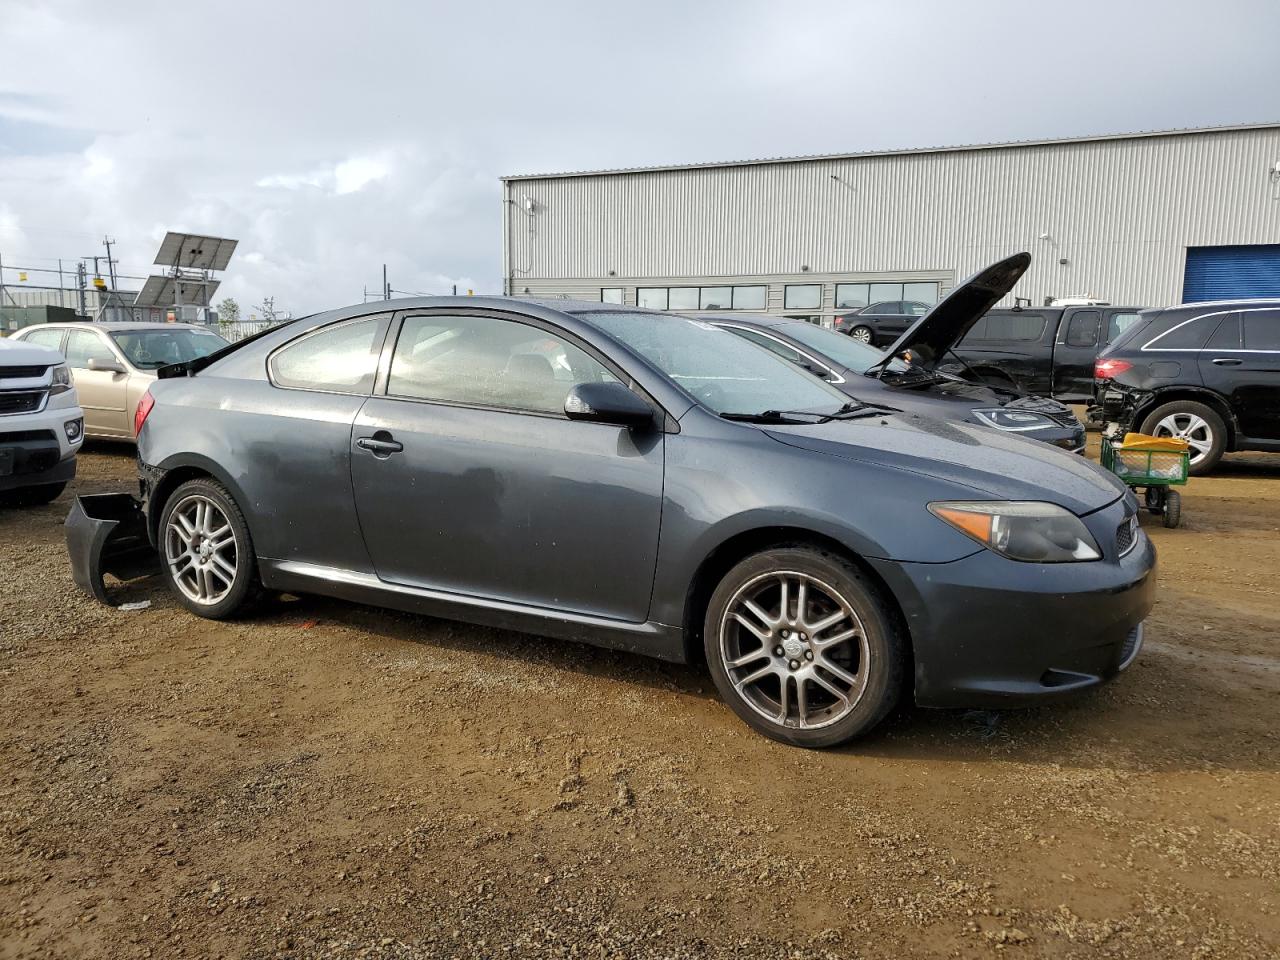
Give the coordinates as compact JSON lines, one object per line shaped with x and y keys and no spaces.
{"x":36,"y":447}
{"x":992,"y":632}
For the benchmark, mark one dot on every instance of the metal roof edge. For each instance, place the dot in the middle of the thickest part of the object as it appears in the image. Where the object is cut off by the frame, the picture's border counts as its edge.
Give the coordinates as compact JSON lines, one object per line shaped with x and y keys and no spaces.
{"x":904,"y":151}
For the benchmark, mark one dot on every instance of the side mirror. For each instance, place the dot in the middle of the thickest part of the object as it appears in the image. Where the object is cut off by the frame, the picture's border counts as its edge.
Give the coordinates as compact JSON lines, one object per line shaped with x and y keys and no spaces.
{"x":105,"y":366}
{"x":607,"y":403}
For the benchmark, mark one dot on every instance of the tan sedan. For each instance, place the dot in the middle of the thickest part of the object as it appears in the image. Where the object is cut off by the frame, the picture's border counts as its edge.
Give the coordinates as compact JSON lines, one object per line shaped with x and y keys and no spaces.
{"x":112,"y":364}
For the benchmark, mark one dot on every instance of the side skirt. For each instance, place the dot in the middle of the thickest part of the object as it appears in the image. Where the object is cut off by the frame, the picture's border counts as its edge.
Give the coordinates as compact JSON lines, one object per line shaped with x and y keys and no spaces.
{"x":650,"y":639}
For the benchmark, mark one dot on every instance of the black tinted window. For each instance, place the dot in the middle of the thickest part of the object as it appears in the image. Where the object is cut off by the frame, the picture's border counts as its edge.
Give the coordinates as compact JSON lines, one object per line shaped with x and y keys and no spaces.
{"x":488,"y":362}
{"x":1227,"y":336}
{"x":884,"y":309}
{"x":1008,"y":326}
{"x":1262,"y":330}
{"x":337,"y":359}
{"x":1082,"y":328}
{"x":1185,"y":334}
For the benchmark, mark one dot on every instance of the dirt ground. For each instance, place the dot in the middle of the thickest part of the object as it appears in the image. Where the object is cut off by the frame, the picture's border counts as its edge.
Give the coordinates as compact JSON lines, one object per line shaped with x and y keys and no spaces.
{"x":331,"y":780}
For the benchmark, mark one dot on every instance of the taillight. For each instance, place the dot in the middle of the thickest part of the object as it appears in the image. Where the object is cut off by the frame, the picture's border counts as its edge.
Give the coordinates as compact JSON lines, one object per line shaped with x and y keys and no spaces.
{"x":144,"y":408}
{"x":1107,"y":369}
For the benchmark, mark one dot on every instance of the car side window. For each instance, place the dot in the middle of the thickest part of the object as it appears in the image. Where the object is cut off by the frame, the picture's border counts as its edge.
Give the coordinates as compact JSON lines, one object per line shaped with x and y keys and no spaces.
{"x":773,"y":346}
{"x":1262,"y":330}
{"x":1082,"y":329}
{"x":1185,"y":335}
{"x":45,"y":338}
{"x":1008,"y":326}
{"x":488,"y":362}
{"x":341,"y":358}
{"x":86,"y":345}
{"x":1227,"y":336}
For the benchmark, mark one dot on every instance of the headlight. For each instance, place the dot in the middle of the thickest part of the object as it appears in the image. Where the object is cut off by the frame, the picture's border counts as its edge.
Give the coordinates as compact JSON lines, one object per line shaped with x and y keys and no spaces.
{"x":1015,"y":420}
{"x":1024,"y":530}
{"x":61,"y":380}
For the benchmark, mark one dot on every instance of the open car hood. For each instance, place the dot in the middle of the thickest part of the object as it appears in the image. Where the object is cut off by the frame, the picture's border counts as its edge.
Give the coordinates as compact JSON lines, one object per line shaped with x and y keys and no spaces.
{"x":930,"y":337}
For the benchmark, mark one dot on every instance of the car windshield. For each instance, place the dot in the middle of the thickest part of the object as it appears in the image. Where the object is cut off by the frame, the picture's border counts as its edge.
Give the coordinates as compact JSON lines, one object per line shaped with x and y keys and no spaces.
{"x":719,"y":369}
{"x":849,"y":353}
{"x":149,"y":349}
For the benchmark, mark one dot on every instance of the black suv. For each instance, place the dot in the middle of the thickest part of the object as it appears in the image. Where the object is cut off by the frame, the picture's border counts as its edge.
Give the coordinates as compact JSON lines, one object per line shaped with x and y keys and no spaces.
{"x":1206,"y":372}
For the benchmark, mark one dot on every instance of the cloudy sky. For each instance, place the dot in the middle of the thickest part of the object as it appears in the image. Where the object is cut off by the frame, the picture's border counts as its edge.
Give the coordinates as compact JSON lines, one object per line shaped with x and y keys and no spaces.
{"x":332,"y":137}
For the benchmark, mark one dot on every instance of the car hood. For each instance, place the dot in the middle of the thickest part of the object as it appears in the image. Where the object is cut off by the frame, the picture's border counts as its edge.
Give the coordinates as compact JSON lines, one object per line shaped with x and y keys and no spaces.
{"x":930,"y":337}
{"x":18,"y":353}
{"x":992,"y":463}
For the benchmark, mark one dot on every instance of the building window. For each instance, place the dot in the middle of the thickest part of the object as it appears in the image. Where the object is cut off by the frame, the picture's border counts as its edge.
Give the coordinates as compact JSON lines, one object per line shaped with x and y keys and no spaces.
{"x":750,"y":298}
{"x":716,"y":298}
{"x":611,"y":295}
{"x":851,"y":295}
{"x":803,"y":296}
{"x":652,"y":298}
{"x":682,"y":298}
{"x":921,"y":292}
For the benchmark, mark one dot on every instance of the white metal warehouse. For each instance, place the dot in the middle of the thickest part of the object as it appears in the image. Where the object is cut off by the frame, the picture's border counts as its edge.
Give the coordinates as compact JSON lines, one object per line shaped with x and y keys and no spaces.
{"x":1145,"y":218}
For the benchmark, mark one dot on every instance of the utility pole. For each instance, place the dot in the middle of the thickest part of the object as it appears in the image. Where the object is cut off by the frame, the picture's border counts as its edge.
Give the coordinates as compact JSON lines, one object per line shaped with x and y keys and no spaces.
{"x":80,"y":282}
{"x":386,"y":287}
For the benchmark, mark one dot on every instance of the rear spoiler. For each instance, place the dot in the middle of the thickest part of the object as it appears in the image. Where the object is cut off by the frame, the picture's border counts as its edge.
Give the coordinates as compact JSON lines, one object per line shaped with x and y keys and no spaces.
{"x":189,"y":368}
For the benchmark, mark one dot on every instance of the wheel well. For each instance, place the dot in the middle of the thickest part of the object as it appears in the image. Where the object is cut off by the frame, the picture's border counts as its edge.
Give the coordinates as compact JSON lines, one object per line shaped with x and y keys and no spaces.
{"x":1206,"y":397}
{"x":171,"y":480}
{"x":737,"y":548}
{"x":993,"y":373}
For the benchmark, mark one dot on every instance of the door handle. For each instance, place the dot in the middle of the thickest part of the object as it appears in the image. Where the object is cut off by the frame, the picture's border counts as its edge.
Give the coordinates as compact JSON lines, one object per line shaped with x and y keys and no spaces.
{"x":380,"y":444}
{"x":1227,"y":361}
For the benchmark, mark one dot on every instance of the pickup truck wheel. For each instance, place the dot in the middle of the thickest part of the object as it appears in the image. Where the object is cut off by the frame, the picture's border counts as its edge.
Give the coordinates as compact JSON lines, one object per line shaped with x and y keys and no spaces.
{"x":1196,"y":423}
{"x":861,"y":333}
{"x":803,"y":648}
{"x":206,"y":554}
{"x":36,"y":496}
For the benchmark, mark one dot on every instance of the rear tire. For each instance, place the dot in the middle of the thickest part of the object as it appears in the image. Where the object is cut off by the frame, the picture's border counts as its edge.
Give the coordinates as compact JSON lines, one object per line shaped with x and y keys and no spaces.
{"x":840,"y":668}
{"x":36,"y":496}
{"x":206,"y":554}
{"x":1195,"y":422}
{"x":862,"y":333}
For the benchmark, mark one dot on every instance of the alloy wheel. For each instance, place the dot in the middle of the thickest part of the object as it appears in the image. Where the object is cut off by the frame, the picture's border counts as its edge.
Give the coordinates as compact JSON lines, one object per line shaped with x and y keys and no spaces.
{"x":794,"y":650}
{"x":1191,"y":428}
{"x":861,"y":334}
{"x":200,"y":549}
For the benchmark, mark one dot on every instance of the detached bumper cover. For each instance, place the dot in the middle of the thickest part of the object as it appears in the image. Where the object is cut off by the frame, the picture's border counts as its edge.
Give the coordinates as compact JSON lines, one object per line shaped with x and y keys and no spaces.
{"x":991,"y":632}
{"x":107,"y":533}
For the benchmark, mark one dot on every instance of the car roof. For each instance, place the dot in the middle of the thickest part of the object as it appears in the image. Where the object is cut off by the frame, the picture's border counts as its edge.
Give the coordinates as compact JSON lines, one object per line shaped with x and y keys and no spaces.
{"x":749,"y":319}
{"x":1219,"y":306}
{"x":120,"y":325}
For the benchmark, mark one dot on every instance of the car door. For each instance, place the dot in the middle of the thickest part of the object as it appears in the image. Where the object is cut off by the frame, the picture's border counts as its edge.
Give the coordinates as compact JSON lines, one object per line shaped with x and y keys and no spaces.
{"x":1074,"y":352}
{"x":103,"y":393}
{"x":469,"y":478}
{"x":1242,"y":362}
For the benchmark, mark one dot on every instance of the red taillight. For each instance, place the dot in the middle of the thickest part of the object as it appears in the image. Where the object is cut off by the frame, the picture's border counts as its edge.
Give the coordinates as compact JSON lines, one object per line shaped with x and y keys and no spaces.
{"x":144,"y":408}
{"x":1106,"y":369}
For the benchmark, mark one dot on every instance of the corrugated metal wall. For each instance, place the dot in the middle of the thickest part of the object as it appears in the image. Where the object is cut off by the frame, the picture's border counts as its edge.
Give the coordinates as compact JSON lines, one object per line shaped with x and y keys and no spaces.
{"x":1120,"y":212}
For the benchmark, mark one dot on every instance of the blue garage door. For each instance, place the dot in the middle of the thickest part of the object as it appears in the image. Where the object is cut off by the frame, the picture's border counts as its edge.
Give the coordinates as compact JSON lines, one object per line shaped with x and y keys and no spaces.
{"x":1230,"y":273}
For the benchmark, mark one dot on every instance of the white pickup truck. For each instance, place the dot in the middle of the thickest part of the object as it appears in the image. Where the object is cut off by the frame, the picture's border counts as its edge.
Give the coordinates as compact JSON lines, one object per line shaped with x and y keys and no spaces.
{"x":41,"y":424}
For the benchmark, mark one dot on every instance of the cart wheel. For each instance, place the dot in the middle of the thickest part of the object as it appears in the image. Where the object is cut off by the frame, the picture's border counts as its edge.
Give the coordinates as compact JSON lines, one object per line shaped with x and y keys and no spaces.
{"x":1173,"y":509}
{"x":1155,"y":499}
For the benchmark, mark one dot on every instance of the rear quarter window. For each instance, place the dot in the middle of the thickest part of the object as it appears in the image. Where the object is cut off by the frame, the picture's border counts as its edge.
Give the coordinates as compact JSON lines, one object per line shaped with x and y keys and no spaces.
{"x":1262,"y":330}
{"x":1179,"y":333}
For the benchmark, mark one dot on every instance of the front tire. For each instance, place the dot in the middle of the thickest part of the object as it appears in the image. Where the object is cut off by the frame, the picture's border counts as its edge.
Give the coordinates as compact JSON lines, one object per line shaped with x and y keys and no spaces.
{"x":1199,"y":425}
{"x":803,"y":648}
{"x":206,"y":554}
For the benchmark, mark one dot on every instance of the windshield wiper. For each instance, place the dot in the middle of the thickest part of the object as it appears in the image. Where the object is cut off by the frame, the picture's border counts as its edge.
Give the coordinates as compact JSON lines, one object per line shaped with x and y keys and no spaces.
{"x":853,"y":410}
